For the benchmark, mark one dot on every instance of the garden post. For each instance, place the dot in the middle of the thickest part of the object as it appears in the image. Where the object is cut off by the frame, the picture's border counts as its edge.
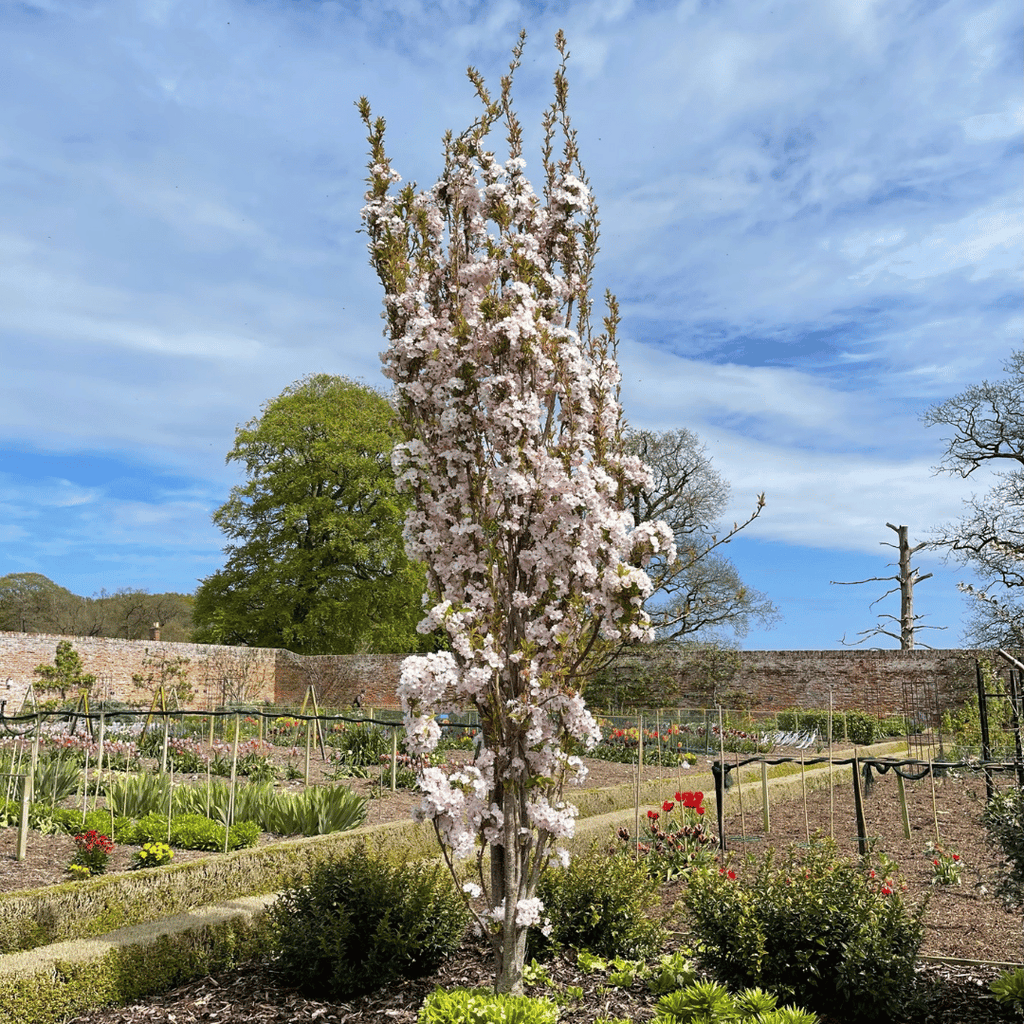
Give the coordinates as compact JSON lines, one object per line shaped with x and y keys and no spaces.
{"x":901,"y":786}
{"x":309,"y":746}
{"x":858,"y":803}
{"x":35,"y":755}
{"x":718,"y":771}
{"x":765,"y":814}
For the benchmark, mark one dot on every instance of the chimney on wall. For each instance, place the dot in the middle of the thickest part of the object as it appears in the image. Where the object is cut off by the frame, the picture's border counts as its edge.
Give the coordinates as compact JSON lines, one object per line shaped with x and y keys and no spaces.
{"x":154,"y":631}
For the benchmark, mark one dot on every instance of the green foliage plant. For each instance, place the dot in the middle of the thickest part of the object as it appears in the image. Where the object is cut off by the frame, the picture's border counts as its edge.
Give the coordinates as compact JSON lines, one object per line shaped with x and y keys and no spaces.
{"x":361,"y":921}
{"x":673,"y":971}
{"x":362,"y":743}
{"x":479,"y":1006}
{"x":1008,"y":989}
{"x":708,"y":1002}
{"x":71,"y":820}
{"x":135,"y":796}
{"x":1003,"y":818}
{"x":809,"y":926}
{"x":66,"y":673}
{"x":56,"y":779}
{"x":316,"y":811}
{"x":599,"y":903}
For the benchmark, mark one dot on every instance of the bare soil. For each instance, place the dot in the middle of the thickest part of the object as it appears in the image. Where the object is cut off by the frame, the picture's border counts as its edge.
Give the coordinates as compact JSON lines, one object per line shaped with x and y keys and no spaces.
{"x":964,"y":922}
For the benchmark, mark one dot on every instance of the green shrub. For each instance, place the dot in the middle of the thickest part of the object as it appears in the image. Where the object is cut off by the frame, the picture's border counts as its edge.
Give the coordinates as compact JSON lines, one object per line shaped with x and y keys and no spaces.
{"x":195,"y":832}
{"x":71,"y":821}
{"x":360,"y":922}
{"x":150,"y":828}
{"x":599,"y":903}
{"x":814,"y":928}
{"x":476,"y":1006}
{"x":861,"y":728}
{"x":1004,"y":822}
{"x":191,"y":832}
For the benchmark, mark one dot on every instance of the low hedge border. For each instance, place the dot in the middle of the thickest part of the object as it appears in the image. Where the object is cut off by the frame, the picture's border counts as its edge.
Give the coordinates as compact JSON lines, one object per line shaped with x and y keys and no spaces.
{"x":129,"y":965}
{"x":81,"y":909}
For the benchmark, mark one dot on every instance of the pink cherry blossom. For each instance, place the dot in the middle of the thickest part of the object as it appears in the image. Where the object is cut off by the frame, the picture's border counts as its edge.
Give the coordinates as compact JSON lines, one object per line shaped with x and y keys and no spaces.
{"x":521,"y":490}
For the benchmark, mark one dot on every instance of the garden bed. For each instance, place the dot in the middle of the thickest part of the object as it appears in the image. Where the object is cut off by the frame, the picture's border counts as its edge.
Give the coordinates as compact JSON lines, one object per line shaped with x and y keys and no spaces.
{"x":966,"y":921}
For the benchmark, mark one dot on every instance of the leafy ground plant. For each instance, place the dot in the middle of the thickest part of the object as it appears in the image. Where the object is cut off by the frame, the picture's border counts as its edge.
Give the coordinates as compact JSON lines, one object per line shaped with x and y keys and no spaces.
{"x":1008,"y":989}
{"x":476,"y":1006}
{"x":834,"y":936}
{"x":707,"y":1002}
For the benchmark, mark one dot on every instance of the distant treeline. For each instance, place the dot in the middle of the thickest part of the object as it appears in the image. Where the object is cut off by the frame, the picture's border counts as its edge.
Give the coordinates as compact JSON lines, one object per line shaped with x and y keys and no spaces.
{"x":31,"y":603}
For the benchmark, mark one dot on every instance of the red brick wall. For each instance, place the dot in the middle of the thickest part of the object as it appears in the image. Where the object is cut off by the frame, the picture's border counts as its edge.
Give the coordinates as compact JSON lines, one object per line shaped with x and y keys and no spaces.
{"x":874,"y":681}
{"x":212,"y":671}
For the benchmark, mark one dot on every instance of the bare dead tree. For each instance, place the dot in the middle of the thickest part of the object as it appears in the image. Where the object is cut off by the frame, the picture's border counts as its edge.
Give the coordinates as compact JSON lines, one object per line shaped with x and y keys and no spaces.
{"x":905,"y":580}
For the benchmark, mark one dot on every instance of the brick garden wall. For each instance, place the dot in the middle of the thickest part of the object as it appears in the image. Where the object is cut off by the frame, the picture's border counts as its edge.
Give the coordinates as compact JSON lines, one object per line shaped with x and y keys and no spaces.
{"x":874,"y":681}
{"x":879,"y":682}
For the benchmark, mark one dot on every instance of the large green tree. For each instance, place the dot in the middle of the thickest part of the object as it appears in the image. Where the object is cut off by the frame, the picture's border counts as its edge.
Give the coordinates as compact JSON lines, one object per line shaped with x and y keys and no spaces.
{"x":316,"y":562}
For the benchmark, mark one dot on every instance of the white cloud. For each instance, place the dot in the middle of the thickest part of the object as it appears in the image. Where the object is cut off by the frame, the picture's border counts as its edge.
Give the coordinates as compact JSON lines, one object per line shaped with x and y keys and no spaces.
{"x":1003,"y":124}
{"x":988,"y":239}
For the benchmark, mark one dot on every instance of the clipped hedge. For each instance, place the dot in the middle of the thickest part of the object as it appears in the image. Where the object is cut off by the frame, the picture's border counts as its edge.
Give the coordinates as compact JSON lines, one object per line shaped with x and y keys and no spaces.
{"x":128,"y":973}
{"x":80,"y":909}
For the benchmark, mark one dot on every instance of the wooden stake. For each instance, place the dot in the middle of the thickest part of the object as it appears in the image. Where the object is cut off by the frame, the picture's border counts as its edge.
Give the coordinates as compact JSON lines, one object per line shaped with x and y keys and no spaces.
{"x":22,"y":848}
{"x":935,"y":808}
{"x":35,"y":755}
{"x":765,"y":814}
{"x":739,"y":793}
{"x":903,"y":805}
{"x":163,"y":751}
{"x":309,"y":745}
{"x":394,"y":760}
{"x":803,"y":789}
{"x":234,"y":781}
{"x":831,"y":780}
{"x":636,"y":800}
{"x":85,"y":787}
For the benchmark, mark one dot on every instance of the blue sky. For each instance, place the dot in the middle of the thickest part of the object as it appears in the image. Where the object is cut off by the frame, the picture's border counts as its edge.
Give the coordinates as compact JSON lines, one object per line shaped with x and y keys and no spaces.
{"x":811,"y":215}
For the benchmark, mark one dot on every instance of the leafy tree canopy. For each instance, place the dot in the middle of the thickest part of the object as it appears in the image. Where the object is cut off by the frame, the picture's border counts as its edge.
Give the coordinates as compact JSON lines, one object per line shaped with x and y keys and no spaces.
{"x":32,"y":603}
{"x":316,"y":562}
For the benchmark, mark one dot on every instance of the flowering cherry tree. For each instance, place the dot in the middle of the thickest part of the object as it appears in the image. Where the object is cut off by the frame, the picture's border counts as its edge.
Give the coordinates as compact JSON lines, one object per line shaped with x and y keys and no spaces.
{"x":521,"y":483}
